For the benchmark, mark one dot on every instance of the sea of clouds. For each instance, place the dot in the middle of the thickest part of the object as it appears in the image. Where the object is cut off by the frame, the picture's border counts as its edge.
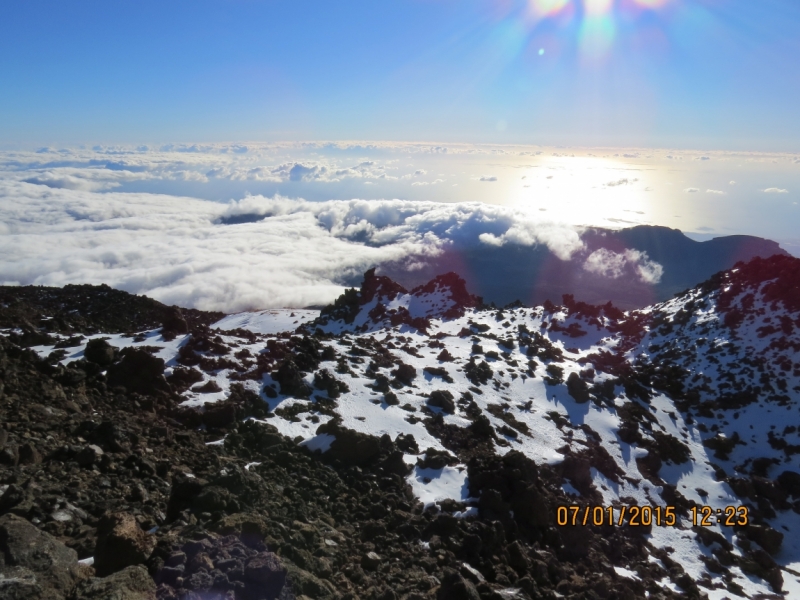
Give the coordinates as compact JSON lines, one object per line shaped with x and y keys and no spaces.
{"x":192,"y":253}
{"x":150,"y":221}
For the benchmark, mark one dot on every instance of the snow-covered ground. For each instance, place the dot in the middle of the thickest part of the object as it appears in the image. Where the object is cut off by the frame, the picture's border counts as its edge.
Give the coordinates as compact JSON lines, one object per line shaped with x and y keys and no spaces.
{"x":274,"y":320}
{"x":535,"y":400}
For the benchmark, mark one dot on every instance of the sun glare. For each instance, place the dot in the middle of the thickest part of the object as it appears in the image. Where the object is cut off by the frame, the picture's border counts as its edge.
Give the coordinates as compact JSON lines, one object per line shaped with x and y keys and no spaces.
{"x":582,"y":190}
{"x":651,"y":3}
{"x":548,"y":8}
{"x":594,"y":21}
{"x":596,"y":8}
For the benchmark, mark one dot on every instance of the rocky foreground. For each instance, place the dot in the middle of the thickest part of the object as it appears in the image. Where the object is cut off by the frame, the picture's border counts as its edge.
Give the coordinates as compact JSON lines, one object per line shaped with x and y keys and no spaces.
{"x":403,"y":445}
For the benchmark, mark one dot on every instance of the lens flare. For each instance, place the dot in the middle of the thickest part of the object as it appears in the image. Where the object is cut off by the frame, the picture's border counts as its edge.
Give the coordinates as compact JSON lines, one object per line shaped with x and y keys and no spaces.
{"x":548,"y":8}
{"x":651,"y":3}
{"x":597,"y":23}
{"x":596,"y":37}
{"x":597,"y":8}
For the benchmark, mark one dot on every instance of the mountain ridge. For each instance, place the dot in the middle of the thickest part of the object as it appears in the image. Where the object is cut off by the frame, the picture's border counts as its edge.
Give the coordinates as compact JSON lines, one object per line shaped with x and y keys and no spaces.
{"x":533,"y":274}
{"x":448,"y":435}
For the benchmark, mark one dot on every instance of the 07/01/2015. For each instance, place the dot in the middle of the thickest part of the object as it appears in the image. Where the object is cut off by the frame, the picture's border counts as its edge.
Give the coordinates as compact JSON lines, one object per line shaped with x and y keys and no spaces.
{"x":646,"y":516}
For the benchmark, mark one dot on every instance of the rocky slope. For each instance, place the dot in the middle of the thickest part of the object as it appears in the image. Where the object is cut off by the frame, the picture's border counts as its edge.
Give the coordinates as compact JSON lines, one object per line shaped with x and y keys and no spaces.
{"x":402,"y":445}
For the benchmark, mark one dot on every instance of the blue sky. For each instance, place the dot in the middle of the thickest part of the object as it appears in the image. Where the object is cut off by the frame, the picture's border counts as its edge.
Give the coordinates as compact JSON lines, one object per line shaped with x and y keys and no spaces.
{"x":653,"y":73}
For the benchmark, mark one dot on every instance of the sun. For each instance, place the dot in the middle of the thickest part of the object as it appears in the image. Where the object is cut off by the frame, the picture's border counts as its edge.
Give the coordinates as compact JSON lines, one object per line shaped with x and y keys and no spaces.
{"x":583,"y":191}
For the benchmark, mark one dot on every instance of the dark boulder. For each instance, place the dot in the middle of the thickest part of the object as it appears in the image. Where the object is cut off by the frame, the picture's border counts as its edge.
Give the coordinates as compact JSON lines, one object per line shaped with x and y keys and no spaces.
{"x":184,"y":490}
{"x":120,"y":543}
{"x":350,"y":447}
{"x":649,"y":466}
{"x":407,"y":443}
{"x":442,"y":399}
{"x":766,"y":537}
{"x":790,"y":482}
{"x":436,"y":459}
{"x":324,"y":380}
{"x":183,"y":378}
{"x":211,"y":499}
{"x":455,"y":587}
{"x":13,"y":495}
{"x":138,"y":371}
{"x":34,"y":563}
{"x":89,"y":455}
{"x":482,"y":428}
{"x":291,"y":379}
{"x":577,"y":388}
{"x":267,"y":572}
{"x":219,"y":415}
{"x":209,"y":387}
{"x":174,"y":323}
{"x":29,"y":455}
{"x":771,"y":490}
{"x":100,"y":352}
{"x":132,"y":583}
{"x":404,"y":374}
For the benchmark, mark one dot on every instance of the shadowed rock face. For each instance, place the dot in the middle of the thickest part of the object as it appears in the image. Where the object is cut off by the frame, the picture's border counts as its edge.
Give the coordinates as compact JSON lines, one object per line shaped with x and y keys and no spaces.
{"x":33,"y":563}
{"x":132,"y":583}
{"x":533,"y":274}
{"x":121,"y":543}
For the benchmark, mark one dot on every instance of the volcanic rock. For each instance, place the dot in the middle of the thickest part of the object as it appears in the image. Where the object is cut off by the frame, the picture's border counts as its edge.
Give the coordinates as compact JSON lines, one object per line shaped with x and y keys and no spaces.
{"x":291,"y":379}
{"x":120,"y":543}
{"x":33,"y":563}
{"x":455,"y":587}
{"x":132,"y":583}
{"x":577,"y":388}
{"x":138,"y":371}
{"x":442,"y":399}
{"x":350,"y":447}
{"x":89,"y":455}
{"x":174,"y":322}
{"x":100,"y":352}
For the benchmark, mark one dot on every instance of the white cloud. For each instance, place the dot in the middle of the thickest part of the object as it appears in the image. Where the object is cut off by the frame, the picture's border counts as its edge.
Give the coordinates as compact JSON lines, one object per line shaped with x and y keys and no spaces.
{"x":491,"y":240}
{"x":691,"y":190}
{"x":774,"y":190}
{"x":69,"y":182}
{"x":731,"y":182}
{"x":717,"y":192}
{"x":273,"y":252}
{"x":172,"y":249}
{"x":79,"y":215}
{"x":618,"y":182}
{"x":614,"y":265}
{"x":561,"y":240}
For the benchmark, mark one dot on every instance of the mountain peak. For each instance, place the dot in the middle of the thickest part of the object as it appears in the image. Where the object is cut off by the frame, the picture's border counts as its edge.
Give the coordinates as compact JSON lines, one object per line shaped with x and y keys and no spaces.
{"x":381,"y":302}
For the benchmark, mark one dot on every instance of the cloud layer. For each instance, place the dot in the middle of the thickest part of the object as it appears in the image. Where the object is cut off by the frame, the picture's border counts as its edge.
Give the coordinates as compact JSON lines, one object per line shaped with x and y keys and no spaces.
{"x":253,"y":253}
{"x":159,"y":220}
